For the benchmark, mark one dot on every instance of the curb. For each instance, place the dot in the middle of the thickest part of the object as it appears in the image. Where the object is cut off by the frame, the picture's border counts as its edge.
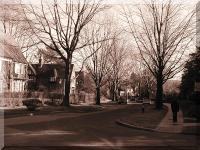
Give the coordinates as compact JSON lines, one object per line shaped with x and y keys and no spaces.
{"x":119,"y":122}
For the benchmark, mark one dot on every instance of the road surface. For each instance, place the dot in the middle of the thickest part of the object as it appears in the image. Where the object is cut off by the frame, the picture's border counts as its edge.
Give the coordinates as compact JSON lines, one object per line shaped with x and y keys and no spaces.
{"x":96,"y":130}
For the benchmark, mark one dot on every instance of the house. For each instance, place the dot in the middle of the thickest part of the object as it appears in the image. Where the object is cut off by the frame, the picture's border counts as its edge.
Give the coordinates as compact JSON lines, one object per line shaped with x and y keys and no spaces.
{"x":49,"y":79}
{"x":13,"y":66}
{"x":80,"y":80}
{"x":85,"y":88}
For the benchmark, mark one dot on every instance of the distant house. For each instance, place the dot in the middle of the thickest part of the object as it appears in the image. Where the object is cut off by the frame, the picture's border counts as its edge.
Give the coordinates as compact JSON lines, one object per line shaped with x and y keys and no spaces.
{"x":13,"y":66}
{"x":85,"y":87}
{"x":80,"y":80}
{"x":49,"y":78}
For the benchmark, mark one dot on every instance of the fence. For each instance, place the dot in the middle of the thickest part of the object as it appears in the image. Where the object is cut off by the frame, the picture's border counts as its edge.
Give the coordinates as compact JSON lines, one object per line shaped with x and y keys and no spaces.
{"x":13,"y":99}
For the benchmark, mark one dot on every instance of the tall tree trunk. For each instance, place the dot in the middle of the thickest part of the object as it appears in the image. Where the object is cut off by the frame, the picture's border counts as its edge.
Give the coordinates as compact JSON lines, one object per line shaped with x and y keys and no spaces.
{"x":115,"y":91}
{"x":112,"y":91}
{"x":98,"y":97}
{"x":66,"y":93}
{"x":159,"y":93}
{"x":68,"y":70}
{"x":139,"y":89}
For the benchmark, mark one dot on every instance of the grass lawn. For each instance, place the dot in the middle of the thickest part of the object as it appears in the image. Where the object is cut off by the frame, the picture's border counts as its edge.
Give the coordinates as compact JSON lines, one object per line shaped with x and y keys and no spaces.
{"x":149,"y":119}
{"x":51,"y":110}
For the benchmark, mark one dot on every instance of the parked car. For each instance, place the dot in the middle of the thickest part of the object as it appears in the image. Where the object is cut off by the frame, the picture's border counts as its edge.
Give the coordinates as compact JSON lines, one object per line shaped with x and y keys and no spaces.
{"x":32,"y":103}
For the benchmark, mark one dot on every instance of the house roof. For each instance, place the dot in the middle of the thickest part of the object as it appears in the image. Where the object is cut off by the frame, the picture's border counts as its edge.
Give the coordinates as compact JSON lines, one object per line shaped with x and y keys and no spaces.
{"x":10,"y":50}
{"x":49,"y":70}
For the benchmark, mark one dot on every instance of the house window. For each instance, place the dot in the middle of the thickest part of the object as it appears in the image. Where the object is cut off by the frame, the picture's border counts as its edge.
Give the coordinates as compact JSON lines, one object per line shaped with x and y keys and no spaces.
{"x":17,"y":68}
{"x":23,"y":86}
{"x":52,"y":79}
{"x":22,"y":68}
{"x":15,"y":87}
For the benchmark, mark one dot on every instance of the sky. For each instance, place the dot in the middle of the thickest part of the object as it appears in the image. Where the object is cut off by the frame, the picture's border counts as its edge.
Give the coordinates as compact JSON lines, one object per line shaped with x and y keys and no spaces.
{"x":115,"y":12}
{"x":105,"y":1}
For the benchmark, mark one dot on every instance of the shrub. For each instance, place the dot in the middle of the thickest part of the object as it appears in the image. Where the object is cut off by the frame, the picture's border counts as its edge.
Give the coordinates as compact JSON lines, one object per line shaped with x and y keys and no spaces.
{"x":12,"y":99}
{"x":53,"y":95}
{"x":54,"y":99}
{"x":122,"y":100}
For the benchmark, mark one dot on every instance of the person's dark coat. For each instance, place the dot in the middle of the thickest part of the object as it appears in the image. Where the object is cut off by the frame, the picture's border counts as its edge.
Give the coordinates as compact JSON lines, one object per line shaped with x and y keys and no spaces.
{"x":175,"y":106}
{"x":175,"y":110}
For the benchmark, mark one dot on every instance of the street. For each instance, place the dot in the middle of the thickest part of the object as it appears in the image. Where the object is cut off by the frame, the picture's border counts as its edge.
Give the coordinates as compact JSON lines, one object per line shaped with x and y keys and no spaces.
{"x":97,"y":129}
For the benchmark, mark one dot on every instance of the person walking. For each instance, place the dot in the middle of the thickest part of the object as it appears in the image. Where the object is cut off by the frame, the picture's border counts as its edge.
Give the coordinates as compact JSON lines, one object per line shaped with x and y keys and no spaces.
{"x":175,"y":109}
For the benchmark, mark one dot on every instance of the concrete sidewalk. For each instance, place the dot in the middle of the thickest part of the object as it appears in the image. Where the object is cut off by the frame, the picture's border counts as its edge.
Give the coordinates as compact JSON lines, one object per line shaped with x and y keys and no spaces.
{"x":167,"y":125}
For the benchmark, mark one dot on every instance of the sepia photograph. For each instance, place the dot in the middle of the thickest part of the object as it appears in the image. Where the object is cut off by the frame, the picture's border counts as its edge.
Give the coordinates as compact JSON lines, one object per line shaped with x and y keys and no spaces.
{"x":100,"y":75}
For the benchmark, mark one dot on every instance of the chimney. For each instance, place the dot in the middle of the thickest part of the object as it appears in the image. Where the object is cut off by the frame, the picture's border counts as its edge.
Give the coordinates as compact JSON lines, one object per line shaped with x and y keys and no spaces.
{"x":40,"y":60}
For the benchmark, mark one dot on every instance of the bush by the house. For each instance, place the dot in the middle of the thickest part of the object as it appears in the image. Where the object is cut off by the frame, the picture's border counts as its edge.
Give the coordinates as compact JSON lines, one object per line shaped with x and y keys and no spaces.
{"x":12,"y":99}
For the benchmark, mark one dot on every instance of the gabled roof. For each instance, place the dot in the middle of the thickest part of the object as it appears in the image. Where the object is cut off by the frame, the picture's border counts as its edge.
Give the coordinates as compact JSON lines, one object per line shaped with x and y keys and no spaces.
{"x":48,"y":70}
{"x":10,"y":50}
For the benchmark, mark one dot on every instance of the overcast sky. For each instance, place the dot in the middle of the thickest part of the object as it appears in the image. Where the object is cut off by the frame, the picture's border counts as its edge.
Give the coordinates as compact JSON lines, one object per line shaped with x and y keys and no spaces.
{"x":112,"y":12}
{"x":106,"y":1}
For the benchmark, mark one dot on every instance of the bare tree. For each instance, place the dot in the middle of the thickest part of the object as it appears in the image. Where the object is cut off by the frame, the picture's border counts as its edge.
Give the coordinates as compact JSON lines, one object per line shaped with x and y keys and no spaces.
{"x":97,"y":63}
{"x":59,"y":27}
{"x":119,"y":67}
{"x":142,"y":80}
{"x":162,"y":32}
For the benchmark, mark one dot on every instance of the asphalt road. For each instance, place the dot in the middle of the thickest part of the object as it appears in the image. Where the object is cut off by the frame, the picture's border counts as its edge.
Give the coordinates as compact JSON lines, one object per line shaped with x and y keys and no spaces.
{"x":96,"y":130}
